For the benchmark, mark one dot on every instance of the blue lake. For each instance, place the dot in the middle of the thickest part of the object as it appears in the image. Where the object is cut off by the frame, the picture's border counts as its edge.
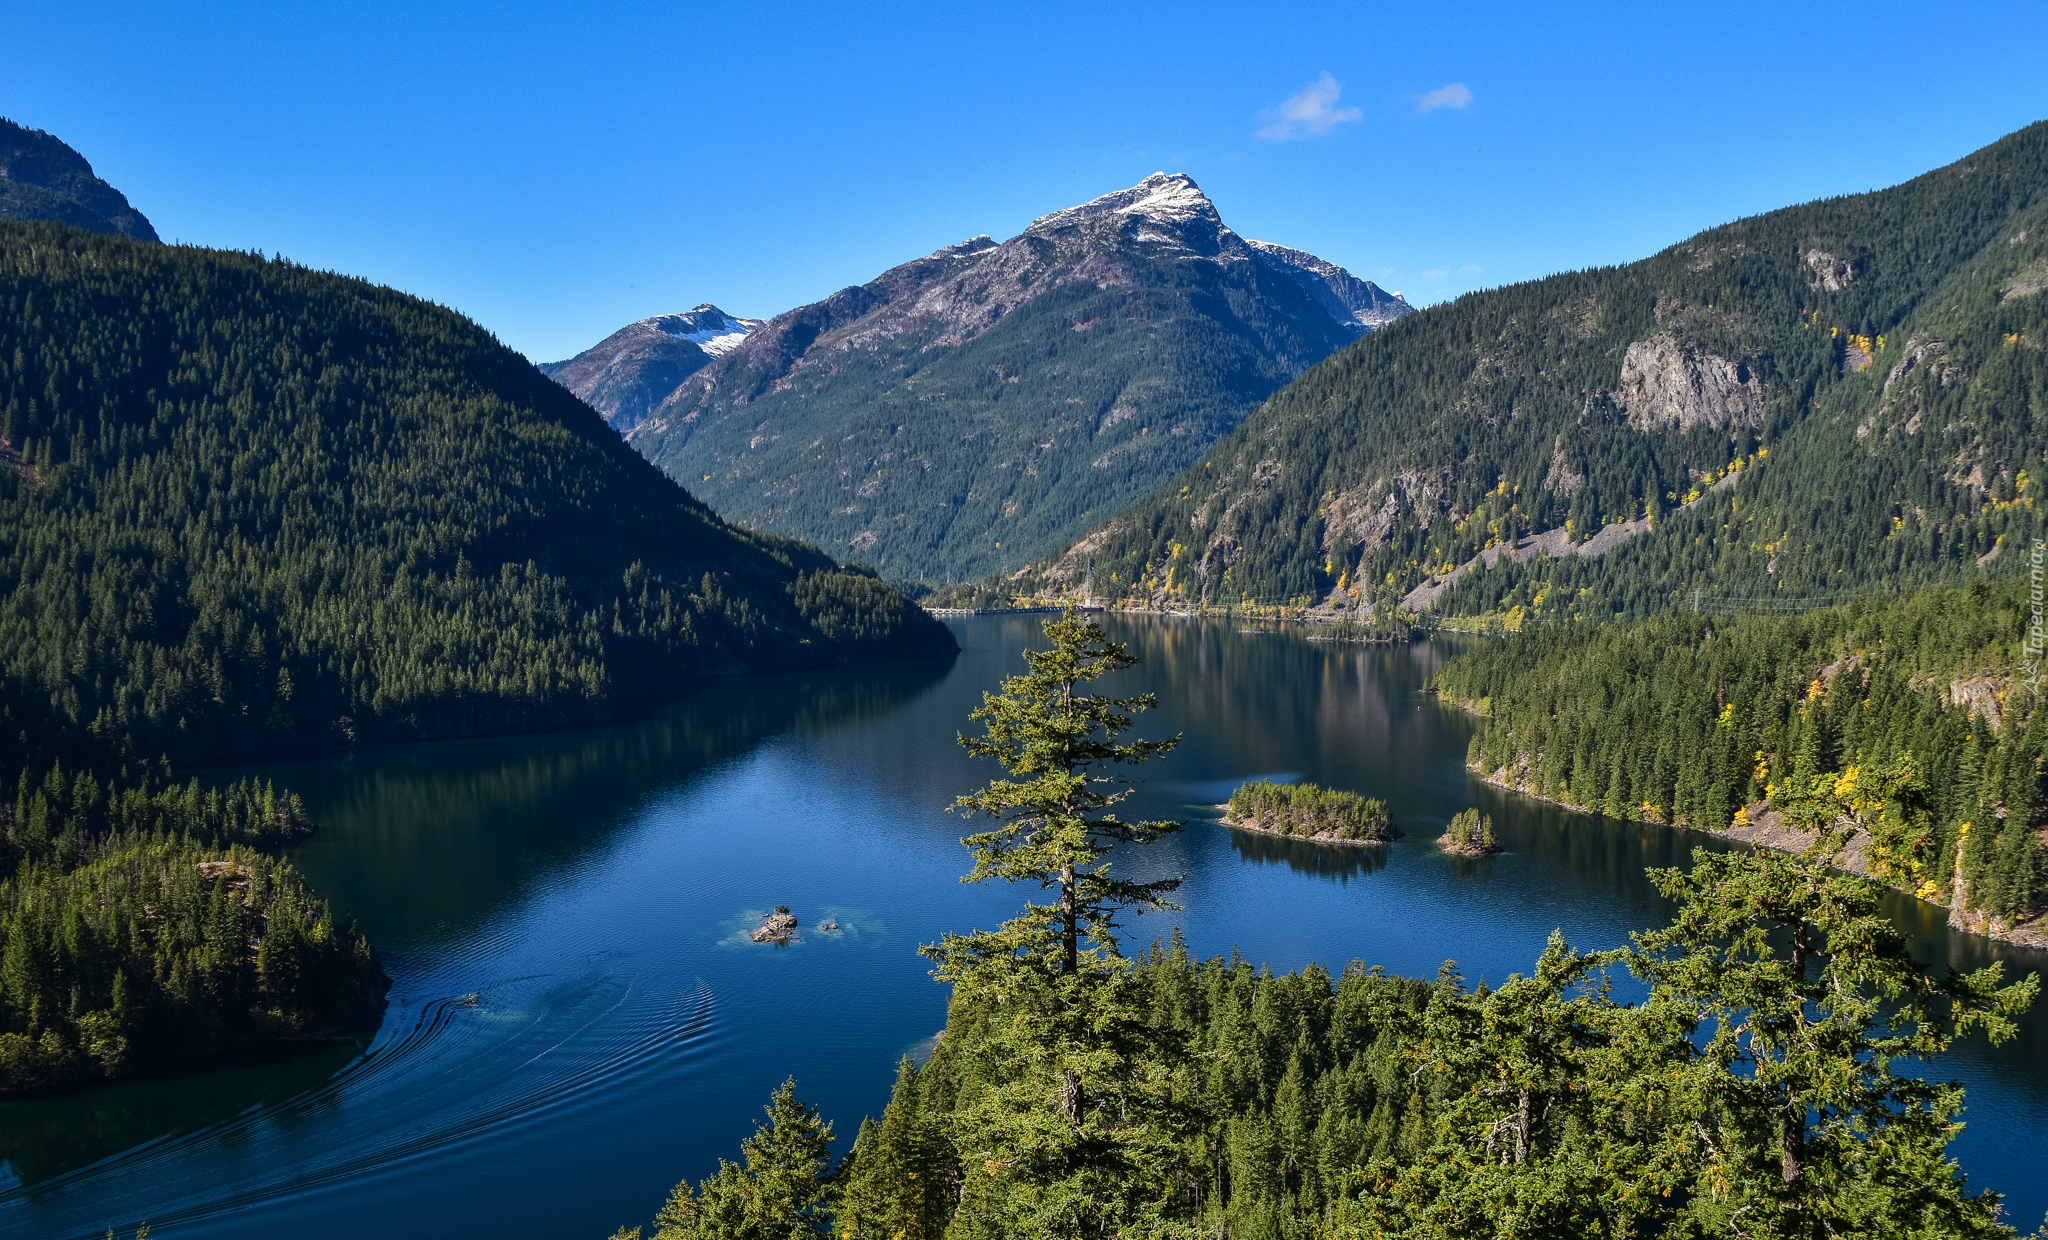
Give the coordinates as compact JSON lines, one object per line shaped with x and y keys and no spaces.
{"x":577,"y":1020}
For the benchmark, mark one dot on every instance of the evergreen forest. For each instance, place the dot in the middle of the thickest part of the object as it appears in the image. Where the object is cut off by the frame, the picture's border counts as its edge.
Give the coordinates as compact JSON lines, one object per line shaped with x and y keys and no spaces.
{"x":249,"y":508}
{"x":146,"y":924}
{"x":1700,"y":720}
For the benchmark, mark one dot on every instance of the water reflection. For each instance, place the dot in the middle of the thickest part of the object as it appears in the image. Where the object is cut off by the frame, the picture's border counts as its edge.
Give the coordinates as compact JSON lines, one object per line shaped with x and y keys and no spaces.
{"x":48,"y":1134}
{"x":1342,"y":862}
{"x":420,"y":838}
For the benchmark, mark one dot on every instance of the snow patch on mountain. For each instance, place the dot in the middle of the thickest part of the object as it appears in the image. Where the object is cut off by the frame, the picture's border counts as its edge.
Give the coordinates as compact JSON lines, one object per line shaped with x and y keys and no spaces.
{"x":716,"y":342}
{"x":978,"y":244}
{"x":707,"y":327}
{"x":1165,"y":198}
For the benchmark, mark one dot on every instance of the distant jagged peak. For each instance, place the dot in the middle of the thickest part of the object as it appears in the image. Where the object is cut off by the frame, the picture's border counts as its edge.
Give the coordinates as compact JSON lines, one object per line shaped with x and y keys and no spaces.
{"x":1163,"y":197}
{"x":706,"y":326}
{"x":1360,"y":304}
{"x":1295,"y":258}
{"x":973,"y":245}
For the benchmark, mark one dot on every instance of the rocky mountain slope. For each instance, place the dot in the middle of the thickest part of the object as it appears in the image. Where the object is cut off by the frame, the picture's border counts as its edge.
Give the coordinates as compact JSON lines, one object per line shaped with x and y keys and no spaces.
{"x":988,"y":402}
{"x":629,"y":373}
{"x":1839,"y":396}
{"x":43,"y":179}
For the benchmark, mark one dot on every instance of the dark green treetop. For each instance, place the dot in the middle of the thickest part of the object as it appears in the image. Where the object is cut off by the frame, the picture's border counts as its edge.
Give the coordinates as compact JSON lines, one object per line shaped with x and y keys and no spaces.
{"x":779,"y":1194}
{"x":1804,"y":1127}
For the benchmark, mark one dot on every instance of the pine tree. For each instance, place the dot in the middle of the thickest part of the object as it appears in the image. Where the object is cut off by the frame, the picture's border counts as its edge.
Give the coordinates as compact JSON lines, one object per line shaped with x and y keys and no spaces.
{"x":1058,"y":818}
{"x":897,"y":1182}
{"x":1070,"y":1125}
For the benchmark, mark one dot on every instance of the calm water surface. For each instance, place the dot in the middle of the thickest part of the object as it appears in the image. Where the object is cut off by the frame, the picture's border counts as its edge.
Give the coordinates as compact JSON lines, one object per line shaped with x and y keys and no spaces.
{"x":577,"y":1020}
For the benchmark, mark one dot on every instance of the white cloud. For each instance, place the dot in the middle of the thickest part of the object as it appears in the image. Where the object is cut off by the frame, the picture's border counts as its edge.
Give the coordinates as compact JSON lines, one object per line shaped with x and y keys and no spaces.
{"x":1436,"y":273}
{"x":1471,"y":269}
{"x":1456,"y":95}
{"x":1309,"y":112}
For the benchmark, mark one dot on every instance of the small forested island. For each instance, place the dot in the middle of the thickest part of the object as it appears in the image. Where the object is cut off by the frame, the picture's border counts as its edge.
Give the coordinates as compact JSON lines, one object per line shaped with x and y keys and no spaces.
{"x":144,"y":927}
{"x":1305,"y":811}
{"x":1469,"y":835}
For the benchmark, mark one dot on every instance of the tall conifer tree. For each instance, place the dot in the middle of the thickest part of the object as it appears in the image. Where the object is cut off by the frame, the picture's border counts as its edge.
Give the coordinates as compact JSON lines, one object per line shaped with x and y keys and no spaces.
{"x":1071,"y":1127}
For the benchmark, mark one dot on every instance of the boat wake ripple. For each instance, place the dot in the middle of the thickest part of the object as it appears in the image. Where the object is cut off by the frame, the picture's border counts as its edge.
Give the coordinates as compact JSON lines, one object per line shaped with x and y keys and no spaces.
{"x":503,"y":1057}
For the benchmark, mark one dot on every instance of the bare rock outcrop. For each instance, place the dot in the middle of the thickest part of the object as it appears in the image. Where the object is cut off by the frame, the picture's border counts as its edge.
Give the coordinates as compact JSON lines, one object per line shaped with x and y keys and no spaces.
{"x":1983,"y":695}
{"x":1922,"y":352}
{"x":2031,"y":280}
{"x":1669,"y":386}
{"x":1828,"y":273}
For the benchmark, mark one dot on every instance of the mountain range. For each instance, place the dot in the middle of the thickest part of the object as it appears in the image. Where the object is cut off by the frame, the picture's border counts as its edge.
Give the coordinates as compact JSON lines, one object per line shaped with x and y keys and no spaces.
{"x":43,"y":179}
{"x":986,"y":403}
{"x":1844,"y":395}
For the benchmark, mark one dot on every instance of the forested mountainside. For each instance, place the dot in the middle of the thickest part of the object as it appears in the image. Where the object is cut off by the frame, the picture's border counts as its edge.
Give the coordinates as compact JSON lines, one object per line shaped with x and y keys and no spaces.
{"x":1011,"y":393}
{"x":1869,"y":366}
{"x":249,"y":508}
{"x":41,"y":178}
{"x":1689,"y":719}
{"x":629,"y":373}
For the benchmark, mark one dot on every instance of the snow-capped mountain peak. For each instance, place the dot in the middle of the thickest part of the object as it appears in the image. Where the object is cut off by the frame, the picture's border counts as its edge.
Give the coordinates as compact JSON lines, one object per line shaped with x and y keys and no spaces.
{"x":707,"y":327}
{"x":625,"y":375}
{"x":1163,"y":197}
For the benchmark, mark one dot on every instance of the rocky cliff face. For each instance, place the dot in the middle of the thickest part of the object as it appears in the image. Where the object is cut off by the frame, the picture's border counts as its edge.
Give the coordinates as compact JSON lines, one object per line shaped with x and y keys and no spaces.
{"x":43,"y":179}
{"x":982,"y":404}
{"x":1669,"y":386}
{"x":630,"y":372}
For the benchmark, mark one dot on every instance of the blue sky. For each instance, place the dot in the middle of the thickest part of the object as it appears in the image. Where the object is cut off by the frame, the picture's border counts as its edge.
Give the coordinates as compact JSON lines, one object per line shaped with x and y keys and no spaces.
{"x":556,"y":172}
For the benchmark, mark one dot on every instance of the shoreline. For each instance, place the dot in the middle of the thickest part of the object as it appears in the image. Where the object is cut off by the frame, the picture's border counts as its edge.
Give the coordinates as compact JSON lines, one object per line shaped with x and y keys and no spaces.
{"x":1232,"y":823}
{"x":1468,"y":853}
{"x":1767,"y":831}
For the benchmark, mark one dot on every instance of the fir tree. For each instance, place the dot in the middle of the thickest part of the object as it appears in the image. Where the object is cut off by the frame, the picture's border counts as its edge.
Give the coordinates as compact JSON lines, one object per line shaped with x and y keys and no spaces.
{"x":1071,"y":1117}
{"x":1801,"y":1126}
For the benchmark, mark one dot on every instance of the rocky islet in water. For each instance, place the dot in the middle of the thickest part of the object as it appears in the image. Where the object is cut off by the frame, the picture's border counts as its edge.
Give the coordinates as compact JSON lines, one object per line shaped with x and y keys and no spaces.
{"x":778,"y":927}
